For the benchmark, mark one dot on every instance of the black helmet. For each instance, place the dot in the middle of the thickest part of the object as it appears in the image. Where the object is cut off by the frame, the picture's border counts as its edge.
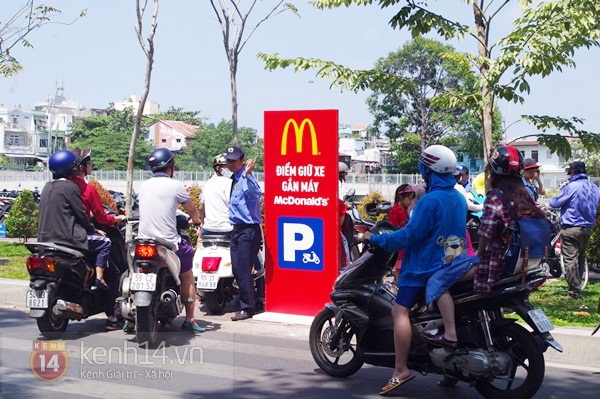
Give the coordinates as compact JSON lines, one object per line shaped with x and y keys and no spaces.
{"x":159,"y":159}
{"x":219,"y":160}
{"x":62,"y":162}
{"x":506,"y":160}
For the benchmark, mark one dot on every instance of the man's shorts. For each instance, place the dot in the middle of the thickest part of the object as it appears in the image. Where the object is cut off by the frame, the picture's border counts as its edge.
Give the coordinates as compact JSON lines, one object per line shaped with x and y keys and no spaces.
{"x":186,"y":256}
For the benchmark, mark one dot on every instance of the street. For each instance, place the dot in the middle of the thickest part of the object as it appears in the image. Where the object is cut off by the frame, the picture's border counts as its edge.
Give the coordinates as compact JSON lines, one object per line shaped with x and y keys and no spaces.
{"x":248,"y":359}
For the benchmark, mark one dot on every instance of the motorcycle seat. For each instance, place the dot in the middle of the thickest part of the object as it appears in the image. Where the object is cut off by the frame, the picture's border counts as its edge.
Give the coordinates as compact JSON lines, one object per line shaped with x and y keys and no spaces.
{"x":50,"y":246}
{"x":466,"y":287}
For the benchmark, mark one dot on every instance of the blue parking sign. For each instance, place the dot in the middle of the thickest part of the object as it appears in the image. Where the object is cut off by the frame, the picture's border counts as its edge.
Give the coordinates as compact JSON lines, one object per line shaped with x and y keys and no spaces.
{"x":2,"y":230}
{"x":300,"y":243}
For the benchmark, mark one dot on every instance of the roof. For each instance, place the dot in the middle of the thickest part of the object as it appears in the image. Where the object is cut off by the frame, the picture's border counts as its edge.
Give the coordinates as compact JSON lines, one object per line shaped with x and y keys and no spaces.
{"x":359,"y":126}
{"x":184,"y":128}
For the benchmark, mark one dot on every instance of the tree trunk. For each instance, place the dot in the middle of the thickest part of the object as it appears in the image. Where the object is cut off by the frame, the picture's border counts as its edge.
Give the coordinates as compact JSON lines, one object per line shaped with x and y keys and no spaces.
{"x":149,"y":51}
{"x":487,"y":112}
{"x":234,"y":104}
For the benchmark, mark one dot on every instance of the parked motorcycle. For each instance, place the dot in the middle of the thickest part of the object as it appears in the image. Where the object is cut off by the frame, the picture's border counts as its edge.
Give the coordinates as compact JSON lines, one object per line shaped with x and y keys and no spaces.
{"x":62,"y":282}
{"x":497,"y":356}
{"x":214,"y":275}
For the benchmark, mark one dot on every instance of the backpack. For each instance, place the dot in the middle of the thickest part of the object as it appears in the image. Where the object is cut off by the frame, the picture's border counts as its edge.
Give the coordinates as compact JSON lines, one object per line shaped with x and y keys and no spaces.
{"x":528,"y":237}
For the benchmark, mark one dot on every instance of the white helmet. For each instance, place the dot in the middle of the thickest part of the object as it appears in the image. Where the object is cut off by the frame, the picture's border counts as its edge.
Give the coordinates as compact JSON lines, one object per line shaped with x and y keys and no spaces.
{"x":343,"y":168}
{"x":439,"y":158}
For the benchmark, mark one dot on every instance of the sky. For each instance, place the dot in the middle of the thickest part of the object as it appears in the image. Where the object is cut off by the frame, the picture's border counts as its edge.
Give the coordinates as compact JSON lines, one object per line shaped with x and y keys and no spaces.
{"x":98,"y":60}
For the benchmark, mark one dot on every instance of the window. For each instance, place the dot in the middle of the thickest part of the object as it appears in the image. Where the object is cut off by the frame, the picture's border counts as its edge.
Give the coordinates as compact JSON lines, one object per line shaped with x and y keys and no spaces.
{"x":43,"y":143}
{"x":534,"y":155}
{"x":163,"y":140}
{"x":178,"y":140}
{"x":13,"y":139}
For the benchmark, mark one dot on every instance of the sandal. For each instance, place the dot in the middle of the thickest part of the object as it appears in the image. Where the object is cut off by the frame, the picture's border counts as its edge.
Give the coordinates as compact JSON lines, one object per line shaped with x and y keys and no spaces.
{"x":395,"y":383}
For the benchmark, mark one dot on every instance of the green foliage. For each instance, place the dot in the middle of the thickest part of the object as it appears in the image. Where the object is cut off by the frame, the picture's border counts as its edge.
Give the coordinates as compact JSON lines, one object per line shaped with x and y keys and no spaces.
{"x":29,"y":17}
{"x":567,"y":312}
{"x":109,"y":137}
{"x":543,"y":40}
{"x":593,"y":250}
{"x":178,"y":114}
{"x":17,"y":257}
{"x":194,"y":191}
{"x":405,"y":154}
{"x":210,"y":140}
{"x":22,"y":219}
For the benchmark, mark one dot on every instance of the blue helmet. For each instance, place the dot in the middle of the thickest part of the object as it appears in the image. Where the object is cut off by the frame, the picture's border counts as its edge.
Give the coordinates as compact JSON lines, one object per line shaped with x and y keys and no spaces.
{"x":62,"y":162}
{"x":159,"y":159}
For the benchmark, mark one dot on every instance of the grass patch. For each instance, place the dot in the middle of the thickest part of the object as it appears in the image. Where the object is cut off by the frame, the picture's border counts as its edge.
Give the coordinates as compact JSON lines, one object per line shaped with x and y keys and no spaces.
{"x":567,"y":312}
{"x":17,"y":257}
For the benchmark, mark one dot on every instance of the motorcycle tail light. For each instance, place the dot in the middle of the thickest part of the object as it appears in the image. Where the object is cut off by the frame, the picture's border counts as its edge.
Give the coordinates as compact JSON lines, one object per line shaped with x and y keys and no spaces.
{"x":35,"y":262}
{"x":210,"y":264}
{"x":145,"y":251}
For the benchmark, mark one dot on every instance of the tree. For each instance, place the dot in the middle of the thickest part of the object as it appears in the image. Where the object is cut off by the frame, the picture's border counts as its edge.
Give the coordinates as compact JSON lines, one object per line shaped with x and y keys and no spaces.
{"x":108,"y":137}
{"x":433,"y":70}
{"x":211,"y":140}
{"x":236,"y":34}
{"x":14,"y":31}
{"x":543,"y":40}
{"x":149,"y":53}
{"x":22,"y":219}
{"x":178,"y":114}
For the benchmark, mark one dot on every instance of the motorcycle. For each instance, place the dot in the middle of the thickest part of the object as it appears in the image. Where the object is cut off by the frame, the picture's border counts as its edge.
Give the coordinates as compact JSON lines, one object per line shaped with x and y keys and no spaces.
{"x":150,"y":292}
{"x":497,"y":356}
{"x":62,"y":285}
{"x":214,"y":275}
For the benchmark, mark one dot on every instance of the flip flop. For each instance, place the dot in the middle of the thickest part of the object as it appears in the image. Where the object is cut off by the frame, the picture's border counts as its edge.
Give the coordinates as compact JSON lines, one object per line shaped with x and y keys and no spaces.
{"x":395,"y":383}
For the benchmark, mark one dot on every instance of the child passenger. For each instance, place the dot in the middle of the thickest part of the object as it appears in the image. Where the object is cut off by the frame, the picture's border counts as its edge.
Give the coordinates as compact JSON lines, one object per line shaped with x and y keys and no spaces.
{"x":399,"y":216}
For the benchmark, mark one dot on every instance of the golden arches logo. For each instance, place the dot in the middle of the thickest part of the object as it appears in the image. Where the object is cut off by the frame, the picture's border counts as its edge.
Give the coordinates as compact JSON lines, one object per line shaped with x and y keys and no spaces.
{"x":299,"y":133}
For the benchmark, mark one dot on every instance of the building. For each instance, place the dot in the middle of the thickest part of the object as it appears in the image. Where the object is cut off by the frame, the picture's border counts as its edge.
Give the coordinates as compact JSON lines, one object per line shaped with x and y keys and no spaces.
{"x":133,"y":102}
{"x":23,"y":136}
{"x":28,"y":138}
{"x":173,"y":135}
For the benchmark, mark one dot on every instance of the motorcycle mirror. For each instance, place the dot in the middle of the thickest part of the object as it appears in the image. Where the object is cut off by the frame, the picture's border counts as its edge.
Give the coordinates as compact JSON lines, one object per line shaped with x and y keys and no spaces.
{"x":351,"y":193}
{"x":356,"y":214}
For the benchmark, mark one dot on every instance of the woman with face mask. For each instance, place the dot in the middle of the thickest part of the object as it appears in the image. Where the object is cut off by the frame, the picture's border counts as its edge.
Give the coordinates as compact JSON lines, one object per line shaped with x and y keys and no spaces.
{"x":214,"y":200}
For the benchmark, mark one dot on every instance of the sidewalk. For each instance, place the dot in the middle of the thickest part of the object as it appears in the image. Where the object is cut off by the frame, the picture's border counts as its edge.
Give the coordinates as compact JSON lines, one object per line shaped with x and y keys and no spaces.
{"x":581,"y":350}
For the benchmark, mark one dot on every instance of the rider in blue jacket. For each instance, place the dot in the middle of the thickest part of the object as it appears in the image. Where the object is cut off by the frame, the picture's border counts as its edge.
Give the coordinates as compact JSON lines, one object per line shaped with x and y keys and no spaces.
{"x":434,"y":235}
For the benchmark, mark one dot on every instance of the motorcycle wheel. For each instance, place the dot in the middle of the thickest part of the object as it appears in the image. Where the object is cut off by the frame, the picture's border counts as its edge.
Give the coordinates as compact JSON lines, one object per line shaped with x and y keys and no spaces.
{"x":341,"y":361}
{"x":146,"y":327}
{"x":527,"y":372}
{"x":216,"y":300}
{"x":50,"y":325}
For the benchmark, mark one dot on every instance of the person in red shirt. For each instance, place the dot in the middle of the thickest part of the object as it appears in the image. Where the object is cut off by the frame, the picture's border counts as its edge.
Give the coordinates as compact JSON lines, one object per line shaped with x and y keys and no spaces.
{"x":97,"y":241}
{"x":398,"y":216}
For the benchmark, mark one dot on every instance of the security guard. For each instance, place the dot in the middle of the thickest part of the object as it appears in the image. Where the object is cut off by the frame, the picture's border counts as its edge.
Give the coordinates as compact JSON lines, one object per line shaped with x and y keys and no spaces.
{"x":244,"y":215}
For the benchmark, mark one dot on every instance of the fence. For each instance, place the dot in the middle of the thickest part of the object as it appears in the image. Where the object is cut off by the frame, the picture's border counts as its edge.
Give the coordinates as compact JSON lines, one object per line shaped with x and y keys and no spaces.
{"x":116,"y":180}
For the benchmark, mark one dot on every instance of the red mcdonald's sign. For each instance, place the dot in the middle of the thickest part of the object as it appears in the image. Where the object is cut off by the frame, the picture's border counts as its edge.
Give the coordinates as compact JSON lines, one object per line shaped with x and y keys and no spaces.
{"x":301,"y":224}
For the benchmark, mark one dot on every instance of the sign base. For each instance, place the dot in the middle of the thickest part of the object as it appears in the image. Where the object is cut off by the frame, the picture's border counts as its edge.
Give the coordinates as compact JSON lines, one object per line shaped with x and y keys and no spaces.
{"x":284,"y":318}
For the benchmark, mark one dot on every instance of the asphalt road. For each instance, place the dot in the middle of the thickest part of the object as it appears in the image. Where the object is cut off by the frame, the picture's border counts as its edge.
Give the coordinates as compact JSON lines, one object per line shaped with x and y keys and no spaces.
{"x":248,"y":359}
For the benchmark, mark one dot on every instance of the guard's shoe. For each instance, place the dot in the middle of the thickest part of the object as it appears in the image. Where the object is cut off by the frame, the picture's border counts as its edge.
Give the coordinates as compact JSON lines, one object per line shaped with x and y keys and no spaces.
{"x":242,"y":315}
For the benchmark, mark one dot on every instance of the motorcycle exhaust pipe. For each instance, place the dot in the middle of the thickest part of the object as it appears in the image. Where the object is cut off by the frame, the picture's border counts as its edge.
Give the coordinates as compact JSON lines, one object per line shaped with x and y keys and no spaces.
{"x":68,"y":309}
{"x":168,"y":296}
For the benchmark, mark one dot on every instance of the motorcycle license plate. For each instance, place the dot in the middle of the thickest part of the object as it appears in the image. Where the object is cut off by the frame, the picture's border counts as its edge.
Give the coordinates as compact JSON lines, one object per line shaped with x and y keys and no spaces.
{"x":37,"y":299}
{"x":143,"y":282}
{"x":540,"y":320}
{"x":207,"y":281}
